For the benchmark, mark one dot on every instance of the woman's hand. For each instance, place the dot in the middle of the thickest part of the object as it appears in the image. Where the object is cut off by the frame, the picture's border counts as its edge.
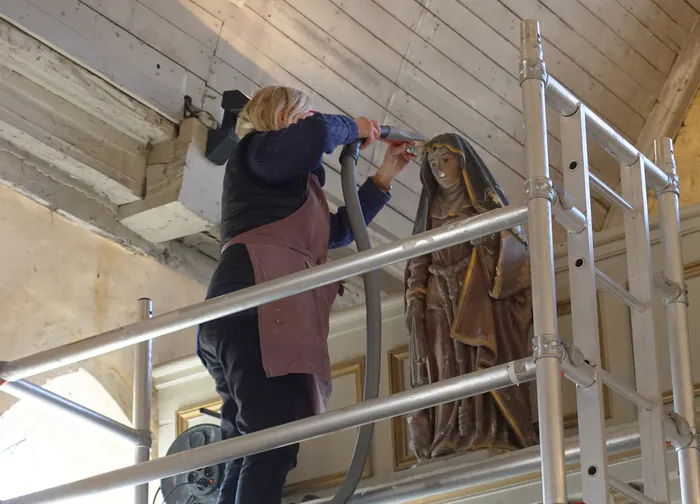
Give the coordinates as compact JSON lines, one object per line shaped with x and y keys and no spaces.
{"x":396,"y":158}
{"x":369,"y":130}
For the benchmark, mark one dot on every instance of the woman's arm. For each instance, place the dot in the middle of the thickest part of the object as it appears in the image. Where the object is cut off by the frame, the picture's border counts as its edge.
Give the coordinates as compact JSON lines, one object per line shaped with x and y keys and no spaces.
{"x":372,"y":200}
{"x":373,"y":194}
{"x":276,"y":156}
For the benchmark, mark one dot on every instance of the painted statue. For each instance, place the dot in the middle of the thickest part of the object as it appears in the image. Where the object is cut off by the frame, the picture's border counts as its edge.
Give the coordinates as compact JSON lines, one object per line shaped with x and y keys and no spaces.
{"x":468,"y":307}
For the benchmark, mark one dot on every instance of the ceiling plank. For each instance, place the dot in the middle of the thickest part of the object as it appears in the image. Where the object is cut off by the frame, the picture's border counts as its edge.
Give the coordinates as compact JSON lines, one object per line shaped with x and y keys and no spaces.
{"x":680,"y":11}
{"x":656,"y":20}
{"x":558,"y":34}
{"x":188,"y":17}
{"x":89,"y":38}
{"x":608,"y":43}
{"x":158,"y":33}
{"x":634,"y":33}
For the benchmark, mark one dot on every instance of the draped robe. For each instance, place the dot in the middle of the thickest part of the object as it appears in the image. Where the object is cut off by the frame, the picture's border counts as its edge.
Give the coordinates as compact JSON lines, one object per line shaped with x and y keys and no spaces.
{"x":468,"y":308}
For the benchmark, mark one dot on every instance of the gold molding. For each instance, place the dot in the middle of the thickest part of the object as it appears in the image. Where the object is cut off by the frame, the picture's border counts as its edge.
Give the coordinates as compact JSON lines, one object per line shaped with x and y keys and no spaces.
{"x":403,"y":458}
{"x":356,"y":367}
{"x":352,"y":366}
{"x":691,"y":270}
{"x":183,"y":416}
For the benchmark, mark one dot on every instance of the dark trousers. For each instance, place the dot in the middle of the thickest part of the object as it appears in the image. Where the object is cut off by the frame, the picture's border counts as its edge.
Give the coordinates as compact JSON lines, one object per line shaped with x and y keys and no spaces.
{"x":230,"y":350}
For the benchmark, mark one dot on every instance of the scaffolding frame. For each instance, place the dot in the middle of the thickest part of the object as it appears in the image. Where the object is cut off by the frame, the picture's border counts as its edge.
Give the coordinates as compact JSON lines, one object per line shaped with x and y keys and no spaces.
{"x":551,"y":359}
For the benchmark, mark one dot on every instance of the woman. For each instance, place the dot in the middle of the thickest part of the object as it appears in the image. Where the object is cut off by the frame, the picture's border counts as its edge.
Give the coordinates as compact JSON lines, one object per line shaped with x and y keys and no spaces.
{"x":468,"y":308}
{"x":271,"y":364}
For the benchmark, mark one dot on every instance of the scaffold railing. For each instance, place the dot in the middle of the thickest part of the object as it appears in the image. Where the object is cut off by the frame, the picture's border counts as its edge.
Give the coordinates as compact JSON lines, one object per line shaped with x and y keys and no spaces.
{"x":581,"y":362}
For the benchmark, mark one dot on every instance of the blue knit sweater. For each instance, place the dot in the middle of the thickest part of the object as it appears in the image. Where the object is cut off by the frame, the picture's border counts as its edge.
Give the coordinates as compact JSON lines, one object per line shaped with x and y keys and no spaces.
{"x":276,"y":156}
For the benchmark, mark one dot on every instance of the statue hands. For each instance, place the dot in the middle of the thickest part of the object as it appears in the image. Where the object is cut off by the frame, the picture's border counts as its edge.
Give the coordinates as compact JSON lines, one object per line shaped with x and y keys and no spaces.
{"x":418,"y":340}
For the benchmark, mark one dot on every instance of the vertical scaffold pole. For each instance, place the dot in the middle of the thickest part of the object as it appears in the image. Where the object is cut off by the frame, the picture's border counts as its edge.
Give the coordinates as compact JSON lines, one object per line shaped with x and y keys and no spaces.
{"x":141,"y":415}
{"x":677,"y":322}
{"x":584,"y":310}
{"x":640,"y":273}
{"x":547,"y":347}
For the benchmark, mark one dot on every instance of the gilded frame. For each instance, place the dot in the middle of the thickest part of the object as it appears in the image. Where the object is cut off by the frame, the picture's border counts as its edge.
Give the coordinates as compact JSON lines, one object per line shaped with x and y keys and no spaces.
{"x":354,"y":367}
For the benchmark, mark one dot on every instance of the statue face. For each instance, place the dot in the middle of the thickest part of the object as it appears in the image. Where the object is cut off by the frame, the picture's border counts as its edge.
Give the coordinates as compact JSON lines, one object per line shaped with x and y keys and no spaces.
{"x":445,"y":167}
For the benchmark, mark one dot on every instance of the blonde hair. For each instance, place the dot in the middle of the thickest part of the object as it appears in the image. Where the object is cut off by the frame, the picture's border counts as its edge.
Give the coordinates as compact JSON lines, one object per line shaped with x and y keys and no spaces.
{"x":262,"y":112}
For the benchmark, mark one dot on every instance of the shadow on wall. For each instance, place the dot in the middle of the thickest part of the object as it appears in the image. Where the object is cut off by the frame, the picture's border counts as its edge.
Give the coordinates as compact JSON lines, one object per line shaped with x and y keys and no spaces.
{"x":41,"y":448}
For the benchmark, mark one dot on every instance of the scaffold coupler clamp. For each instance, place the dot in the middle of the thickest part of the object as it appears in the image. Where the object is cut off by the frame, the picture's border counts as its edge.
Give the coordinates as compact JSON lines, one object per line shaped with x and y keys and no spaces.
{"x":532,"y":64}
{"x":681,"y":295}
{"x":145,"y":439}
{"x":567,"y":213}
{"x":540,"y":187}
{"x":547,"y":345}
{"x":682,"y":435}
{"x":673,"y":185}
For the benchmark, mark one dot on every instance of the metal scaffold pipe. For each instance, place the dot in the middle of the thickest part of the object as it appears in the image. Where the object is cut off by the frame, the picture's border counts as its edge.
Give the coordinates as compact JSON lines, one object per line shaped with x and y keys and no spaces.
{"x":22,"y":389}
{"x":466,"y":475}
{"x":677,"y":324}
{"x":566,"y":103}
{"x":374,"y":410}
{"x":383,"y":255}
{"x":141,"y":412}
{"x":547,"y":347}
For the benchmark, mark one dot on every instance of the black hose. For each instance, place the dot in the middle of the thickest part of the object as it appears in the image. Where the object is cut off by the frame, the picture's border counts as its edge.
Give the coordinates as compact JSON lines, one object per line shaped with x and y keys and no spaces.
{"x":348,"y":160}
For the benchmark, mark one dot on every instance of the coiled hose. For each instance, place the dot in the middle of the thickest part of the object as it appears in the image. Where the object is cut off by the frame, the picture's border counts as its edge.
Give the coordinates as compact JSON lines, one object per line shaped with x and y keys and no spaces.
{"x":348,"y":161}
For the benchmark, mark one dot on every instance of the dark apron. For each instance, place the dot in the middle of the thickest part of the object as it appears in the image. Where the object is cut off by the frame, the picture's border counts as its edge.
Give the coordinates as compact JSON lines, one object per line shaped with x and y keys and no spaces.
{"x":294,"y":330}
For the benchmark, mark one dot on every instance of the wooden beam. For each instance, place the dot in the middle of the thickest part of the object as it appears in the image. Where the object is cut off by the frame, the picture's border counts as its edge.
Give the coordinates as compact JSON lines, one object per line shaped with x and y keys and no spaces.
{"x":78,"y":203}
{"x":669,"y":111}
{"x":44,"y":66}
{"x":182,"y":189}
{"x":676,"y":96}
{"x":34,"y":119}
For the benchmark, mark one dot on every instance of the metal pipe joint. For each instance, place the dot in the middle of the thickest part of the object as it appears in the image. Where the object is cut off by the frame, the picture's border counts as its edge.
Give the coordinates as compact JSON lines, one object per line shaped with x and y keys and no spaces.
{"x":672,"y":187}
{"x":532,"y":65}
{"x":670,"y":291}
{"x":144,"y":439}
{"x":547,"y":345}
{"x":566,"y":213}
{"x":540,"y":187}
{"x":577,"y":368}
{"x":666,"y":160}
{"x":680,"y":433}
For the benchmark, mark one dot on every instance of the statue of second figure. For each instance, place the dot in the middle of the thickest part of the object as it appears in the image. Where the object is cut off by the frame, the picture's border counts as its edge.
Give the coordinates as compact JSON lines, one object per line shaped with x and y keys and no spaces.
{"x":468,"y":307}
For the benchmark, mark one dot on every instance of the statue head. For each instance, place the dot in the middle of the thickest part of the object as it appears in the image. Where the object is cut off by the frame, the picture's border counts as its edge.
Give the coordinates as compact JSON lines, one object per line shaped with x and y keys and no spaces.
{"x":449,"y":158}
{"x":445,"y":166}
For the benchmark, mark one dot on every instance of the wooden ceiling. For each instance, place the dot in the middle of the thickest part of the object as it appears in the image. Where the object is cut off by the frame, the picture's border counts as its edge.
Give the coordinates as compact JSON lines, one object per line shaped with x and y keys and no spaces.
{"x":430,"y":65}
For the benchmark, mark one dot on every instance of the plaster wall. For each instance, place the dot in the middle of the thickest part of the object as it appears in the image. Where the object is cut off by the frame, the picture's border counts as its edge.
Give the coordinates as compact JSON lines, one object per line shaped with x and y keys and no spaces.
{"x":61,"y":283}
